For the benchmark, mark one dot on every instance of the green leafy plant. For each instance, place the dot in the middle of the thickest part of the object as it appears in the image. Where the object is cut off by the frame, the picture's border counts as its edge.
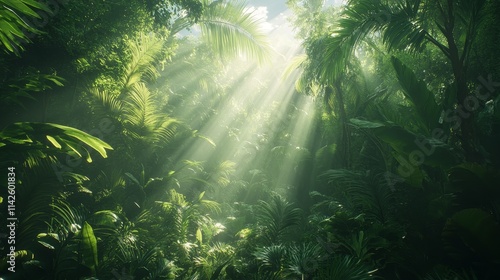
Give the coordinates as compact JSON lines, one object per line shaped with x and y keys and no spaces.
{"x":13,"y":28}
{"x":345,"y":267}
{"x":277,"y":217}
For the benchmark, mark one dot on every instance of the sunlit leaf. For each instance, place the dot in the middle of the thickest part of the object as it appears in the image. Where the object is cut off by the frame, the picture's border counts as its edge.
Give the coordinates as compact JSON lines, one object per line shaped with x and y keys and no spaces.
{"x":89,"y":246}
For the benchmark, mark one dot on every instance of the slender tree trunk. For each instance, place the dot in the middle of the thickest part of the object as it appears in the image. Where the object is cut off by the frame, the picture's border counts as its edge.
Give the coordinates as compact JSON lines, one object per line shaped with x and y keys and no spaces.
{"x":345,"y":148}
{"x":459,"y":73}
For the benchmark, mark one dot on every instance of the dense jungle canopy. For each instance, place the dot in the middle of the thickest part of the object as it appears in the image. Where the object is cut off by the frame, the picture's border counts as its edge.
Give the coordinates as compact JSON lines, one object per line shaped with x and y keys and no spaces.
{"x":224,"y":139}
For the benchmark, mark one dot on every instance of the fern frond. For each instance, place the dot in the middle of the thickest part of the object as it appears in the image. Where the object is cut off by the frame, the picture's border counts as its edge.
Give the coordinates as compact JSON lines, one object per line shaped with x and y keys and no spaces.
{"x":106,"y":102}
{"x":143,"y":53}
{"x":362,"y":191}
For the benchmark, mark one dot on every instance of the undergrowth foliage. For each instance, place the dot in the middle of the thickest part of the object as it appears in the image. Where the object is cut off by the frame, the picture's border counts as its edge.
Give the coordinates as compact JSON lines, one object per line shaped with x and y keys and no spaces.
{"x":139,"y":140}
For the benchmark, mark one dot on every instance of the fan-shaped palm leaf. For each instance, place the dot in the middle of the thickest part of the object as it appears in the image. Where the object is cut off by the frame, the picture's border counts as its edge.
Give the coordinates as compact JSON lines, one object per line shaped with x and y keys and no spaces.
{"x":303,"y":259}
{"x":272,"y":258}
{"x":277,"y":217}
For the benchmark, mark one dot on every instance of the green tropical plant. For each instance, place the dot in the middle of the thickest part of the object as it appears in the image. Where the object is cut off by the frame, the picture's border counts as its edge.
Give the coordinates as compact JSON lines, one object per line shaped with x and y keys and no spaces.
{"x":24,"y":142}
{"x":406,"y":25}
{"x":14,"y":29}
{"x":365,"y":191}
{"x":304,"y":259}
{"x":277,"y":217}
{"x":211,"y":262}
{"x":135,"y":110}
{"x":185,"y":215}
{"x":272,"y":258}
{"x":471,"y":233}
{"x":229,"y":29}
{"x":416,"y":91}
{"x":22,"y":88}
{"x":345,"y":267}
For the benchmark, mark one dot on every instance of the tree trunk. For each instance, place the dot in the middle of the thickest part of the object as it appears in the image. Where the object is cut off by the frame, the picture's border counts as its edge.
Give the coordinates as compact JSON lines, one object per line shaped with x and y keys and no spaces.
{"x":468,"y":135}
{"x":344,"y":146}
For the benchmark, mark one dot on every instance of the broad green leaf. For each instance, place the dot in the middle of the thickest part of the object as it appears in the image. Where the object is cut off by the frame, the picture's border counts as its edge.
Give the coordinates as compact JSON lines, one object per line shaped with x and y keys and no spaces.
{"x":430,"y":151}
{"x":106,"y":218}
{"x":478,"y":230}
{"x":22,"y":6}
{"x":53,"y":141}
{"x":89,"y":247}
{"x":416,"y":91}
{"x":132,"y":177}
{"x":201,"y":196}
{"x":94,"y":142}
{"x":48,"y":240}
{"x":365,"y":124}
{"x":12,"y":24}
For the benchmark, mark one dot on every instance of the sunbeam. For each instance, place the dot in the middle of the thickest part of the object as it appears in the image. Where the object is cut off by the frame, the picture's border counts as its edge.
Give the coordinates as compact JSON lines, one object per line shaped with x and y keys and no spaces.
{"x":258,"y":109}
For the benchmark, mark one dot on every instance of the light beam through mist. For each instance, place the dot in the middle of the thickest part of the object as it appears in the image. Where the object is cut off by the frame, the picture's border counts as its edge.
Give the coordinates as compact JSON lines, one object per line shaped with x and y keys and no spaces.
{"x":261,"y":105}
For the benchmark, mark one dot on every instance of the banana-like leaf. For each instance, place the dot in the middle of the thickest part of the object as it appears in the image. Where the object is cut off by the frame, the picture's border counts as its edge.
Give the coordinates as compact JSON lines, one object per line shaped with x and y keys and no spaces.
{"x":430,"y":151}
{"x":478,"y":230}
{"x":89,"y":247}
{"x":94,"y":142}
{"x":416,"y":91}
{"x":42,"y":137}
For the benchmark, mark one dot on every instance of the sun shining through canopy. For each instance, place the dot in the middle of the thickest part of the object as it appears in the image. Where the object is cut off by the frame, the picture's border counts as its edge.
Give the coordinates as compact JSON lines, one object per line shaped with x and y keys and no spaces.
{"x":262,"y":123}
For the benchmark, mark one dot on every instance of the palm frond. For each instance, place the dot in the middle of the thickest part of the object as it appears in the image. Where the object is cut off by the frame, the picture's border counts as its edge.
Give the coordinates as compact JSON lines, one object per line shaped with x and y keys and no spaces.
{"x":365,"y":192}
{"x":330,"y":53}
{"x":404,"y":32}
{"x":272,"y":258}
{"x":106,"y":103}
{"x":345,"y":267}
{"x":140,"y":110}
{"x":232,"y":30}
{"x":167,"y":131}
{"x":143,"y":53}
{"x":277,"y":217}
{"x":66,"y":217}
{"x":13,"y":27}
{"x":303,"y":258}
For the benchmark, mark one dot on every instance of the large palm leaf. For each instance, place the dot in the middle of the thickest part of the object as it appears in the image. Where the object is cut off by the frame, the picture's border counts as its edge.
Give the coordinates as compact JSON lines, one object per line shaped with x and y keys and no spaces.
{"x":42,"y":139}
{"x":278,"y":216}
{"x":14,"y":28}
{"x":144,"y":52}
{"x":230,"y":29}
{"x":364,"y":191}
